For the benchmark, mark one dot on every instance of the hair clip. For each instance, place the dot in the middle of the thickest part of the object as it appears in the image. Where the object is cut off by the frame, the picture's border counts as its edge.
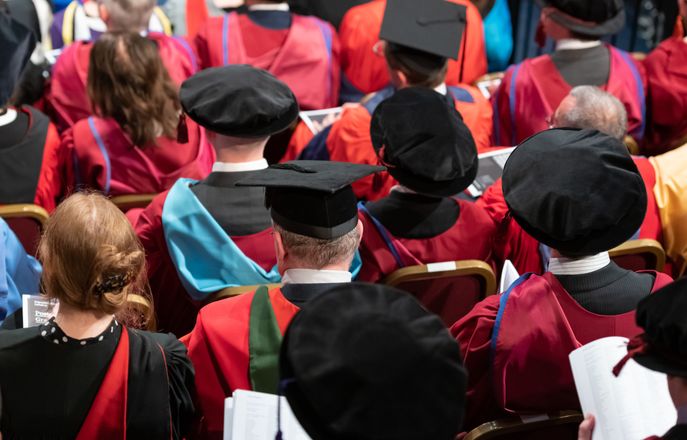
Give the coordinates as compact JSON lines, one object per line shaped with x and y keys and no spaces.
{"x":112,"y":284}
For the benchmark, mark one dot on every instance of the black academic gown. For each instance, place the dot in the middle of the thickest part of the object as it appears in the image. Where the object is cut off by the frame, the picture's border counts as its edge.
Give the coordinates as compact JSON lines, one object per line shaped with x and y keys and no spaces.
{"x":49,"y":381}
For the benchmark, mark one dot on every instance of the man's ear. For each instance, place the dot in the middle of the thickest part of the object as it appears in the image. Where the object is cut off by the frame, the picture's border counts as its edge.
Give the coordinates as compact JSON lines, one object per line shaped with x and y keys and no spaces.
{"x":279,"y":246}
{"x":361,"y":230}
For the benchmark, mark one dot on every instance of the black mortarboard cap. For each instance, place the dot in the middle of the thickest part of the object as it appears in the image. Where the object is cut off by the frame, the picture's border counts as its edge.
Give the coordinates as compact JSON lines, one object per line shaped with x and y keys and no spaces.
{"x":577,"y":191}
{"x":662,"y":316}
{"x":422,"y":139}
{"x":365,"y":361}
{"x":590,"y":18}
{"x":312,"y":198}
{"x":432,"y":26}
{"x":16,"y":45}
{"x":239,"y":101}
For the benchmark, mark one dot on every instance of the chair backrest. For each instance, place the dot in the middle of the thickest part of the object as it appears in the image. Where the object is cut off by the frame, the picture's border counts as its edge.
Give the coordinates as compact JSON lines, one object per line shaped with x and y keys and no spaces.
{"x":132,"y":201}
{"x":238,"y":290}
{"x":561,"y":425}
{"x":643,"y":254}
{"x":449,"y":289}
{"x":27,"y":222}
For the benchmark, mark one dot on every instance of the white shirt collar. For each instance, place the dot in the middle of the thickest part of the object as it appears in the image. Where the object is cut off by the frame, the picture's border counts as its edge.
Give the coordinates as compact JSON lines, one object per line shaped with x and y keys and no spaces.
{"x":441,"y":88}
{"x":9,"y":117}
{"x":578,"y":266}
{"x":227,"y":167}
{"x":314,"y":276}
{"x":574,"y":43}
{"x":402,"y":189}
{"x":270,"y":7}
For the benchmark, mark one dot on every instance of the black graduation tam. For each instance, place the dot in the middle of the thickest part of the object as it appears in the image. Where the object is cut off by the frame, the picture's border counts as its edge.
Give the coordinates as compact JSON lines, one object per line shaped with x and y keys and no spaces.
{"x":365,"y":361}
{"x":577,"y":191}
{"x":16,"y":45}
{"x":432,"y":26}
{"x":312,"y":198}
{"x":421,"y":138}
{"x":595,"y":18}
{"x":662,"y":316}
{"x":239,"y":100}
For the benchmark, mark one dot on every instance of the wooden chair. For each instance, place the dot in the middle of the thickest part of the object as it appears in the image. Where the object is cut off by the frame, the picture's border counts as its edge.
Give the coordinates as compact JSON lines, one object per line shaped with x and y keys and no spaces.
{"x":141,"y":307}
{"x":642,"y":254}
{"x":27,"y":222}
{"x":561,"y":425}
{"x":238,"y":290}
{"x":132,"y":201}
{"x":449,"y":289}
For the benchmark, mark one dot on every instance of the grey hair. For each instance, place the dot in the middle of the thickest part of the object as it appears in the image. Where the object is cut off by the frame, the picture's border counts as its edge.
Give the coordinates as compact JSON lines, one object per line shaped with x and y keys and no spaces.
{"x":317,"y":253}
{"x":128,"y":15}
{"x":595,"y":109}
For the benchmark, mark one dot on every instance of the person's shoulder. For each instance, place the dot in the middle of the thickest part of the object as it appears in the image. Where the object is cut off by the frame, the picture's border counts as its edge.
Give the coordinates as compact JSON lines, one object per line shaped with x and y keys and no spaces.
{"x":229,"y":307}
{"x":10,"y":339}
{"x":664,"y":50}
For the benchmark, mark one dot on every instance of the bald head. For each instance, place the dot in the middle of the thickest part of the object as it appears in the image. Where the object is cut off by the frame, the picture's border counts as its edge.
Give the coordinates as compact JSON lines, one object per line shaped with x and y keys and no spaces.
{"x":592,"y":108}
{"x":126,"y":15}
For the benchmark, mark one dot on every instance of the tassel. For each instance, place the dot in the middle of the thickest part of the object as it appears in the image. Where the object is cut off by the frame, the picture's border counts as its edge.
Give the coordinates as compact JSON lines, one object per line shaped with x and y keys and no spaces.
{"x":182,"y":130}
{"x":636,"y":346}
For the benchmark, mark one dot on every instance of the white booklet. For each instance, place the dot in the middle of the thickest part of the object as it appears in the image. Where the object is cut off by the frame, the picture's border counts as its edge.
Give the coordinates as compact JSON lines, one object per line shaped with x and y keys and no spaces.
{"x":633,"y":406}
{"x":250,"y":415}
{"x":37,"y":310}
{"x":318,"y":120}
{"x":508,"y":276}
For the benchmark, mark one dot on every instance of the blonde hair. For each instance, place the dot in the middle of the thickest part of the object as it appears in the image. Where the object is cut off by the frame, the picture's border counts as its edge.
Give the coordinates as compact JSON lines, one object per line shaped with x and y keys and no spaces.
{"x":91,"y":256}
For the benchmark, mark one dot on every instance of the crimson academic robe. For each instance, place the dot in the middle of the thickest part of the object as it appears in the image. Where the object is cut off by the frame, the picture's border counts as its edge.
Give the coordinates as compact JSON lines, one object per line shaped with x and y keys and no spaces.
{"x":348,"y":139}
{"x":101,"y":156}
{"x":667,"y":90}
{"x":30,"y":172}
{"x":532,"y":90}
{"x":225,"y":350}
{"x":305,"y":56}
{"x":470,"y":238}
{"x":364,"y":72}
{"x":175,"y":309}
{"x":67,"y":98}
{"x":516,"y":345}
{"x":677,"y":432}
{"x":512,"y":243}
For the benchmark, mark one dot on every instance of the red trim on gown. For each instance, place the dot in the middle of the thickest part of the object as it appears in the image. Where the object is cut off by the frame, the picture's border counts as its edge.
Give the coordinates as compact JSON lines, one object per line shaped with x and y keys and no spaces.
{"x":367,"y":72}
{"x":218,"y":348}
{"x":529,"y":370}
{"x":107,"y":417}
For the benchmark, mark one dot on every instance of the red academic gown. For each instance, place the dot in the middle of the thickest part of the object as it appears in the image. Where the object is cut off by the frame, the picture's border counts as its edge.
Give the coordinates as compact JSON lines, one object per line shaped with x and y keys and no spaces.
{"x":30,"y":172}
{"x":532,"y":90}
{"x":516,"y":345}
{"x":471,"y":238}
{"x":364,"y":72}
{"x":101,"y":156}
{"x":667,"y":90}
{"x":174,"y":308}
{"x":348,"y":139}
{"x":522,"y":249}
{"x":221,"y":349}
{"x":67,"y":97}
{"x":304,"y":56}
